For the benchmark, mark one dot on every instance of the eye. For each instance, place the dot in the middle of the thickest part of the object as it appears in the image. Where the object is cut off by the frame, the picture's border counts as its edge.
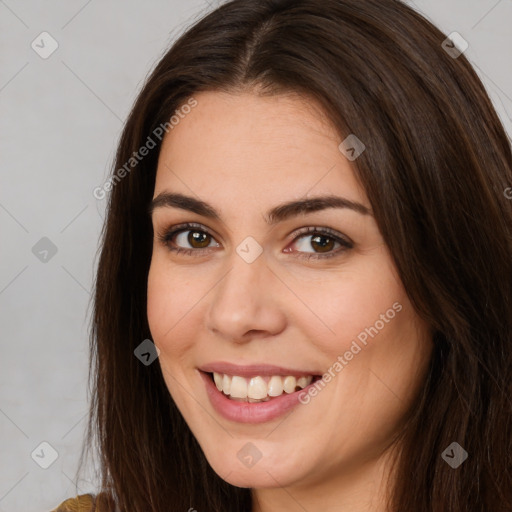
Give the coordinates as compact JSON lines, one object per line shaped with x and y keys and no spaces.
{"x":193,"y":234}
{"x":322,"y":241}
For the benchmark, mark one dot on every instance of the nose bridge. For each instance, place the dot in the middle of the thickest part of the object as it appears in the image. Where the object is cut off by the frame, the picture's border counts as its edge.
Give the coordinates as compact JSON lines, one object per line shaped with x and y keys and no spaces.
{"x":242,"y":286}
{"x":242,"y":301}
{"x":248,"y":266}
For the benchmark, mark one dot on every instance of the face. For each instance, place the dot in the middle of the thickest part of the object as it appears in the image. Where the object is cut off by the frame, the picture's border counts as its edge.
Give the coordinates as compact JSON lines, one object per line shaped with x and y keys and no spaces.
{"x":269,"y":288}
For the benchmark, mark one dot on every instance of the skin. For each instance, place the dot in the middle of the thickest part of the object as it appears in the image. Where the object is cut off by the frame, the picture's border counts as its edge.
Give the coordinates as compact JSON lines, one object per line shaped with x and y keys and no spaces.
{"x":244,"y":154}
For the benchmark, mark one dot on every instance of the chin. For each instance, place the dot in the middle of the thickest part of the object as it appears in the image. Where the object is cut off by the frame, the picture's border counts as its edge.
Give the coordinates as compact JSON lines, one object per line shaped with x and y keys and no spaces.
{"x":253,"y":464}
{"x":260,"y":476}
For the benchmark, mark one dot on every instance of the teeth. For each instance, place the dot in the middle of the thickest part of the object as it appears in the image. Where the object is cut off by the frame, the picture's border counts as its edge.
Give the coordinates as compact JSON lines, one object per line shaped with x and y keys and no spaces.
{"x":289,"y":384}
{"x":302,"y":382}
{"x":217,"y":377}
{"x":226,"y":384}
{"x":238,"y":387}
{"x":259,"y":389}
{"x":275,"y":386}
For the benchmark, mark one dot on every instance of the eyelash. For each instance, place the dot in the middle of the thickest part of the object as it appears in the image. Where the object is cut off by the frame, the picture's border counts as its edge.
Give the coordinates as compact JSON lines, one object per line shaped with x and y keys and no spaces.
{"x":166,"y":237}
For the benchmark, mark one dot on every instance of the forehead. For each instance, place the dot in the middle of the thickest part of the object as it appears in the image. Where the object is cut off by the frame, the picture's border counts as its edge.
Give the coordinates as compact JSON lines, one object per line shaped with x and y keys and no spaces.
{"x":268,"y":148}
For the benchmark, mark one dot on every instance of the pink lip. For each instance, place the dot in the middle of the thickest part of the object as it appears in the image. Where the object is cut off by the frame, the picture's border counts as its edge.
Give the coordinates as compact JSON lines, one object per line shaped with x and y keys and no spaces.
{"x":246,"y":412}
{"x":254,"y":370}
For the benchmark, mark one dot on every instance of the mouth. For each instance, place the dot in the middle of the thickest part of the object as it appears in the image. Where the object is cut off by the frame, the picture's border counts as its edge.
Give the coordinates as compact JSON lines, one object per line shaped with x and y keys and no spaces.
{"x":255,"y":394}
{"x":260,"y":388}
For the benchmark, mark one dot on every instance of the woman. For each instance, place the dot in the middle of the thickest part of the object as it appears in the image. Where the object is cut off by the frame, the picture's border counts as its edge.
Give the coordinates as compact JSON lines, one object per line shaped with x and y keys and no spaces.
{"x":303,"y":299}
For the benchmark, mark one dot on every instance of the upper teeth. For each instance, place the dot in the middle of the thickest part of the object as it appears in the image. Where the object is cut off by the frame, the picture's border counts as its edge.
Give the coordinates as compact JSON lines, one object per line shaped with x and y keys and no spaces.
{"x":259,"y":388}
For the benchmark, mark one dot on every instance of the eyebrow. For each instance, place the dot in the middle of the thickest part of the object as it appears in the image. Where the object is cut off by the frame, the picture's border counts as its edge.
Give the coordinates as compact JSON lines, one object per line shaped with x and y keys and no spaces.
{"x":273,"y":216}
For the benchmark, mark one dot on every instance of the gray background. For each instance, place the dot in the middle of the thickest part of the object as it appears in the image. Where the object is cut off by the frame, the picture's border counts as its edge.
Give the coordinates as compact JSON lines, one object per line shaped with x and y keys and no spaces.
{"x":60,"y":121}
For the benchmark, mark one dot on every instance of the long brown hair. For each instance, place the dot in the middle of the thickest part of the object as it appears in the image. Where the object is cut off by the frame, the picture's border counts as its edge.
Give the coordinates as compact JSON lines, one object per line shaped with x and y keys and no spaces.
{"x":436,"y":168}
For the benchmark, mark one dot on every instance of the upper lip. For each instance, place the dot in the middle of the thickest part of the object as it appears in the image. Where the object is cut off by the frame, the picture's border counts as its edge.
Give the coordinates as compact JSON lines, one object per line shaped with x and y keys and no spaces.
{"x":253,"y":370}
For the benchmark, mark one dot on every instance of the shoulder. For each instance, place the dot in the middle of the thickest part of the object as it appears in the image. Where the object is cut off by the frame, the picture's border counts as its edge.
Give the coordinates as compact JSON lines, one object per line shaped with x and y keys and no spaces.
{"x":82,"y":503}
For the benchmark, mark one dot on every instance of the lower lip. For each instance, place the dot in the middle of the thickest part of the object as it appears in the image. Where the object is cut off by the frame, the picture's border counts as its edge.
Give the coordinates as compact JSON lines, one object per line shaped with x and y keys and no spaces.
{"x":247,"y":412}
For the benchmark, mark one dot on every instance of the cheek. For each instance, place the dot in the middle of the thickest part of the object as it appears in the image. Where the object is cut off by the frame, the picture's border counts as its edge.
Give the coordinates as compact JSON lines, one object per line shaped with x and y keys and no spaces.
{"x":169,"y":299}
{"x":158,"y":301}
{"x":354,"y":300}
{"x":175,"y":306}
{"x":164,"y":310}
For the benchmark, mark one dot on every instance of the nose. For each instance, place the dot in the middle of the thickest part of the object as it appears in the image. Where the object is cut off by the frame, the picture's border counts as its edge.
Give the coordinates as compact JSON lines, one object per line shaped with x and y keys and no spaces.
{"x":246,"y":302}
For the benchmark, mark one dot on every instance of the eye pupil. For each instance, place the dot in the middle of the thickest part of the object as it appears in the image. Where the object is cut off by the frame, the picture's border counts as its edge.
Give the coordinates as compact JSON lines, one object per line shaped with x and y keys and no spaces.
{"x":198,"y":237}
{"x":324,"y":247}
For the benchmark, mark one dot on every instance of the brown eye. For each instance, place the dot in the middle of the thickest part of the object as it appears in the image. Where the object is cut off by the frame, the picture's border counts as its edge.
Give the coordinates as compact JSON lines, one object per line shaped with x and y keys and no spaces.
{"x":200,"y":238}
{"x":323,"y":243}
{"x":187,"y":239}
{"x":194,"y":240}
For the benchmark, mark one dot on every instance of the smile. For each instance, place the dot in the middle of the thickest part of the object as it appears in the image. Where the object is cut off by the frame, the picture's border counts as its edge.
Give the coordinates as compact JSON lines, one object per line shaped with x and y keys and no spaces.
{"x":254,"y":394}
{"x":259,"y":388}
